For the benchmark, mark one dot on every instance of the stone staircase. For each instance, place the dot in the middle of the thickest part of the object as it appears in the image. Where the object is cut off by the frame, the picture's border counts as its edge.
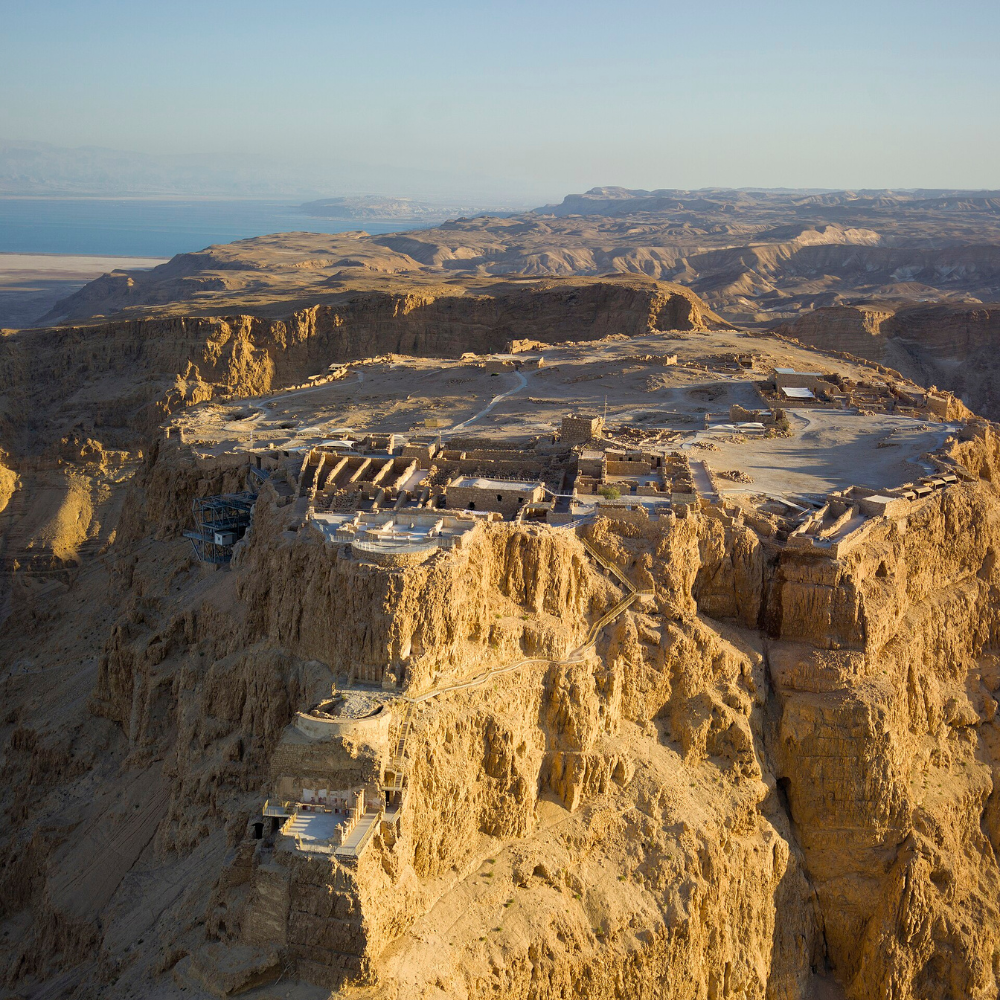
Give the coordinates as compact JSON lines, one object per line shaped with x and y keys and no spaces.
{"x":295,"y":826}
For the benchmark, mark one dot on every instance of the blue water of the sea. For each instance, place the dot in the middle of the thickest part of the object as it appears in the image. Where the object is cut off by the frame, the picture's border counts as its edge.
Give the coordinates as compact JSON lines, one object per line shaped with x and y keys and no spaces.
{"x":150,"y":228}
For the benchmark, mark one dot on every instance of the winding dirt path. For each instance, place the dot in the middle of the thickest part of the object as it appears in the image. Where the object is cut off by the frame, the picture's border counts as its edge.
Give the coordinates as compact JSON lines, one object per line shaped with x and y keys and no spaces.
{"x":493,"y":402}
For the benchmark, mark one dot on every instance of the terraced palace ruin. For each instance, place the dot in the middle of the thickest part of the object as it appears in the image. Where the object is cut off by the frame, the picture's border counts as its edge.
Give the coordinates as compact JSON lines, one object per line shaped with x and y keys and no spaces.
{"x":649,"y":665}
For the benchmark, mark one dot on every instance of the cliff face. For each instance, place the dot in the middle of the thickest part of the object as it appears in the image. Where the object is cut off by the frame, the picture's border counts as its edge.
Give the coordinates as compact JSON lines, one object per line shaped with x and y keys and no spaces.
{"x":856,"y":330}
{"x":778,"y":767}
{"x":445,"y":616}
{"x":617,"y":812}
{"x":78,"y":405}
{"x":115,"y":379}
{"x":886,"y":745}
{"x":952,"y":346}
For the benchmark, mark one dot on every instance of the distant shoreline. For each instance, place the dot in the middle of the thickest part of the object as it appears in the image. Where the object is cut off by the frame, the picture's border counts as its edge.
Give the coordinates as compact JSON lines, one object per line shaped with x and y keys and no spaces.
{"x":88,"y":262}
{"x":95,"y":256}
{"x":32,"y":283}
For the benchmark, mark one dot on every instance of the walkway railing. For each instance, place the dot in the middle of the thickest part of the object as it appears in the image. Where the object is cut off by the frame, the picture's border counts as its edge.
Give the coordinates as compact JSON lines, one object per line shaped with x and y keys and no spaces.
{"x":394,"y":546}
{"x":608,"y":565}
{"x":366,"y":838}
{"x":625,"y":603}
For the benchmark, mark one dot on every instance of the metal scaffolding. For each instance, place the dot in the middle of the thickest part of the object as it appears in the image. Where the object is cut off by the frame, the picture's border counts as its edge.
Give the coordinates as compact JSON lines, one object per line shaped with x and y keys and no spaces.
{"x":221,"y":521}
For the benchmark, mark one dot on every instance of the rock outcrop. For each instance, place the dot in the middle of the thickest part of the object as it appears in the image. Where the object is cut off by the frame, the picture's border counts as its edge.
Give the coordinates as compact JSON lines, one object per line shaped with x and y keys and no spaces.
{"x":781,"y":767}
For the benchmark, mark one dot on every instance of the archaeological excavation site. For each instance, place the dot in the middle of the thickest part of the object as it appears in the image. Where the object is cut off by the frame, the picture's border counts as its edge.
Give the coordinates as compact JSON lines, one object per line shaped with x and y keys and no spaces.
{"x":529,"y":640}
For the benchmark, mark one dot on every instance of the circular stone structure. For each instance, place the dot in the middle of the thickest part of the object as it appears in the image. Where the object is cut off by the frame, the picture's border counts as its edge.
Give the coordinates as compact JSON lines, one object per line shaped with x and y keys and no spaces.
{"x":320,"y":723}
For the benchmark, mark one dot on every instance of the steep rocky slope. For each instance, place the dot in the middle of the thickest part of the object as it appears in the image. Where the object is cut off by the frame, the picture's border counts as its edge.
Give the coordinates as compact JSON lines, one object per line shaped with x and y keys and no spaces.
{"x":774,"y":775}
{"x":778,"y":771}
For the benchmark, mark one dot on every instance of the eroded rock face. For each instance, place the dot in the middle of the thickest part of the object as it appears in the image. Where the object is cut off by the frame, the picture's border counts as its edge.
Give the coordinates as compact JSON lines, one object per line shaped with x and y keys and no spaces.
{"x":444,"y":615}
{"x":151,"y":366}
{"x":780,"y":765}
{"x":952,"y":345}
{"x":886,"y":744}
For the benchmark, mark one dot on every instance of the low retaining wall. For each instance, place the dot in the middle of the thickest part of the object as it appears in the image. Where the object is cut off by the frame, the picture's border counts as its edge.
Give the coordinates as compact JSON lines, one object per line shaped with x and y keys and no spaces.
{"x":403,"y":555}
{"x":373,"y":728}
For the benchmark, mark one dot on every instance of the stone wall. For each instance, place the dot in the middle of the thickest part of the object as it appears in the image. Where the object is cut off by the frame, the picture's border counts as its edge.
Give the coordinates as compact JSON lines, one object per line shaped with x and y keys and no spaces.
{"x":501,"y":500}
{"x":577,"y":429}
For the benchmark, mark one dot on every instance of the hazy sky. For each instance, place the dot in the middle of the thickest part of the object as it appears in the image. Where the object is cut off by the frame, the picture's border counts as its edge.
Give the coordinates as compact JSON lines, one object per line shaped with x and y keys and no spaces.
{"x":522,"y":99}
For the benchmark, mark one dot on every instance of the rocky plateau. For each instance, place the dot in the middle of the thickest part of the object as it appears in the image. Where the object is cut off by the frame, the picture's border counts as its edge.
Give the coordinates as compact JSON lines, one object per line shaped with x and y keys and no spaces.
{"x":696,"y":753}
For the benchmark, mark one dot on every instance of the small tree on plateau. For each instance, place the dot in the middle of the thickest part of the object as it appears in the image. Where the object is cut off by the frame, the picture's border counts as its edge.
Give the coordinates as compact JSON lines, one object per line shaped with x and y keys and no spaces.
{"x":610,"y":492}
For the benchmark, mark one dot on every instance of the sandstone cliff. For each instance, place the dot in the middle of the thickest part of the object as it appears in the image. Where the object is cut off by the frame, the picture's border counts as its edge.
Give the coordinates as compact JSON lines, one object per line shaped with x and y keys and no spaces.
{"x":953,"y":346}
{"x":78,"y":404}
{"x":777,"y":770}
{"x":109,"y":381}
{"x":780,"y":769}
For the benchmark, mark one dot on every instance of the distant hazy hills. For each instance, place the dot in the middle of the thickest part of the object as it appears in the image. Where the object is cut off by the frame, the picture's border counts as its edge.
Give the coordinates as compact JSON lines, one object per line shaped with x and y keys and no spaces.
{"x":36,"y":168}
{"x":403,"y":209}
{"x":756,"y":258}
{"x":838,"y":206}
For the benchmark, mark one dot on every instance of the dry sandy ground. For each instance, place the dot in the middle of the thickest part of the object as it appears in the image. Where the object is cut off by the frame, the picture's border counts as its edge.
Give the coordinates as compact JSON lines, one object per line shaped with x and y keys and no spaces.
{"x":828,"y":450}
{"x":31,"y":283}
{"x":624,"y":378}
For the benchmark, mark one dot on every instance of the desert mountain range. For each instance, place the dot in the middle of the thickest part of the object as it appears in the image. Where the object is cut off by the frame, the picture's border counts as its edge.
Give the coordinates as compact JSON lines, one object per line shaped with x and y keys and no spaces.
{"x":853,"y":271}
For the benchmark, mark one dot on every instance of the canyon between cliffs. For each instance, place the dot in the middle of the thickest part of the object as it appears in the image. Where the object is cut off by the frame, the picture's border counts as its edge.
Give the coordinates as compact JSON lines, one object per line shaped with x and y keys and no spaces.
{"x":774,"y":774}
